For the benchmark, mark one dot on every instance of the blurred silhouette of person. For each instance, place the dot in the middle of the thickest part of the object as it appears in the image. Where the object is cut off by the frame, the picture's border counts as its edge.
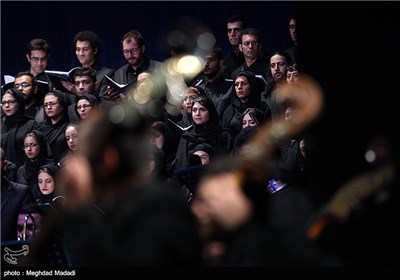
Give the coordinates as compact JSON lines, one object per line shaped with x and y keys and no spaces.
{"x":134,"y":222}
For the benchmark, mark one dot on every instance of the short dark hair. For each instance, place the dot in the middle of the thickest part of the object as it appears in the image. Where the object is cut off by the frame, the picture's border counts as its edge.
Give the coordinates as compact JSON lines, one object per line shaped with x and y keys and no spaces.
{"x":38,"y":44}
{"x":33,"y":78}
{"x":89,"y":36}
{"x":84,"y":71}
{"x":219,"y":53}
{"x":285,"y":55}
{"x":236,"y":18}
{"x":250,"y":31}
{"x":134,"y":34}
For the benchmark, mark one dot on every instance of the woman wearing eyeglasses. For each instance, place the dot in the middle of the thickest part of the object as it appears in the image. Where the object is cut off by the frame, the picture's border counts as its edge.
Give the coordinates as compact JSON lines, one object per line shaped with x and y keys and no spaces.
{"x":56,"y":120}
{"x":84,"y":104}
{"x":14,"y":125}
{"x":37,"y":154}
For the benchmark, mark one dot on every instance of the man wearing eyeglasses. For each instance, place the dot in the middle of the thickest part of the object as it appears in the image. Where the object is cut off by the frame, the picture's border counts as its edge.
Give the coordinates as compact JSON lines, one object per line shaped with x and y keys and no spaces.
{"x":254,"y":60}
{"x":133,"y":49}
{"x":27,"y":84}
{"x":37,"y":54}
{"x":292,"y":51}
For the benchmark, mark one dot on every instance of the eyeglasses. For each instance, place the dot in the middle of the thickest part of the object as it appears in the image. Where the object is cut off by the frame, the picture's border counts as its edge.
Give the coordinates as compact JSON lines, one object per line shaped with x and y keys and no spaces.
{"x":24,"y":85}
{"x":84,"y":106}
{"x":248,"y":43}
{"x":9,"y":102}
{"x":31,"y":145}
{"x":131,"y":51}
{"x":50,"y":104}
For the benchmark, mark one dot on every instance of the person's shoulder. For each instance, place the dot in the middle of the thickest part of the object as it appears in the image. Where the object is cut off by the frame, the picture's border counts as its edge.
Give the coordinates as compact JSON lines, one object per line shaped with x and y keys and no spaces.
{"x":18,"y":187}
{"x":121,"y":69}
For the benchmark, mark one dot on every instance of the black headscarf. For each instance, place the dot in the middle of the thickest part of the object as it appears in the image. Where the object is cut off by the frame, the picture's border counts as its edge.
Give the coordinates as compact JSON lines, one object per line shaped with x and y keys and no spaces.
{"x":14,"y":128}
{"x":47,"y":198}
{"x":89,"y":97}
{"x":31,"y":167}
{"x":19,"y":116}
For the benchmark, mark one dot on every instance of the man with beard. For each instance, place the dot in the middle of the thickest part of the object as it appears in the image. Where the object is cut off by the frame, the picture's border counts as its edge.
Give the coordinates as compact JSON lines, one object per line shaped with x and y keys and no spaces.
{"x":279,"y":62}
{"x":213,"y":82}
{"x":133,"y":48}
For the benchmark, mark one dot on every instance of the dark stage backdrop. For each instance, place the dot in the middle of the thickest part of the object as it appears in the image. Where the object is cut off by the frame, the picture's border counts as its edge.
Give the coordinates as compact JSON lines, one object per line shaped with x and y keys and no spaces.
{"x":351,"y":48}
{"x":59,"y":21}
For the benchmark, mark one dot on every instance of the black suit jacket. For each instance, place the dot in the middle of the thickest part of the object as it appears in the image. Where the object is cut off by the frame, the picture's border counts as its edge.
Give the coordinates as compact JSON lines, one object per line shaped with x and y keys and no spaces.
{"x":13,"y":197}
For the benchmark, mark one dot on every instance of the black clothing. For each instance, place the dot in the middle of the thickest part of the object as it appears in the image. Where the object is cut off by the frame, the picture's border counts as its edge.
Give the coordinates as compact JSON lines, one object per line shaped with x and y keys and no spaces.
{"x":292,"y":51}
{"x":27,"y":174}
{"x":101,"y":71}
{"x":14,"y":196}
{"x":233,"y":61}
{"x":150,"y":226}
{"x":218,"y":91}
{"x":13,"y":130}
{"x":54,"y":133}
{"x":73,"y":115}
{"x":259,"y":67}
{"x":220,"y":138}
{"x":126,"y":73}
{"x":232,"y":117}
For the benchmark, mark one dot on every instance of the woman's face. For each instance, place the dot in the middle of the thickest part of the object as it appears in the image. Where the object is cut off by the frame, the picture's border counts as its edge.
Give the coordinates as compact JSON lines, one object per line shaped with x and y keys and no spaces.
{"x":46,"y":183}
{"x":10,"y":105}
{"x":31,"y":147}
{"x":242,"y":87}
{"x":52,"y":106}
{"x":157,"y":139}
{"x":71,"y":135}
{"x":248,"y":121}
{"x":83,"y":107}
{"x":292,"y":76}
{"x":200,"y":114}
{"x":188,"y":98}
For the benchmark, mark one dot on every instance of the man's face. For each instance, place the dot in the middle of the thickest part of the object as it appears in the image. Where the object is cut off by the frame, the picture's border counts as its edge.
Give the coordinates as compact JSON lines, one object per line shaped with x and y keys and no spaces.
{"x":250,"y":46}
{"x":24,"y":84}
{"x":278,"y":67}
{"x":85,"y":53}
{"x":133,"y":52}
{"x":38,"y":61}
{"x":212,"y":65}
{"x":84,"y":85}
{"x":233,"y":30}
{"x":292,"y":29}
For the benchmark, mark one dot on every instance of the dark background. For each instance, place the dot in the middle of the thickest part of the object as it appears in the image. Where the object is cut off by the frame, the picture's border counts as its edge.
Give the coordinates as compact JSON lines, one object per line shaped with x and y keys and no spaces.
{"x":351,"y":48}
{"x":59,"y":21}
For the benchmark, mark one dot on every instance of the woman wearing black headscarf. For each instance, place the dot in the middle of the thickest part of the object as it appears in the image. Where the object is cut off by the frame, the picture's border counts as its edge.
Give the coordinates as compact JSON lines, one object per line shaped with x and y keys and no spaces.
{"x":248,"y":90}
{"x":84,"y":104}
{"x":46,"y":193}
{"x":56,"y":120}
{"x":37,"y":154}
{"x":14,"y":126}
{"x":206,"y":129}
